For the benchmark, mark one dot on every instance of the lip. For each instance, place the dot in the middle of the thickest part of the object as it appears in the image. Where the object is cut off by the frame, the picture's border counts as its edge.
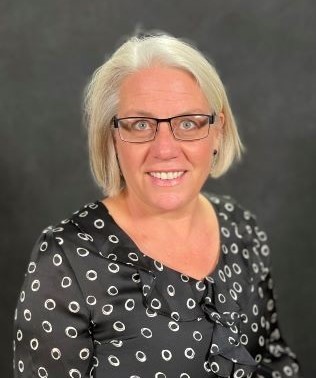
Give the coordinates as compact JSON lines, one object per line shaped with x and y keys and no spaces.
{"x":166,"y":182}
{"x":166,"y":170}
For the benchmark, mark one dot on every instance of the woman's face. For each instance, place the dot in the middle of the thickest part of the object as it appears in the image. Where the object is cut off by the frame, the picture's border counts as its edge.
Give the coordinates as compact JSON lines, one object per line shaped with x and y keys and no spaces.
{"x":163,"y":92}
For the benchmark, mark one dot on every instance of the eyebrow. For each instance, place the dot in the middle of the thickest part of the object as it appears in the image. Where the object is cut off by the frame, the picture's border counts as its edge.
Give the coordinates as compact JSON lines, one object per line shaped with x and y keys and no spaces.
{"x":142,"y":113}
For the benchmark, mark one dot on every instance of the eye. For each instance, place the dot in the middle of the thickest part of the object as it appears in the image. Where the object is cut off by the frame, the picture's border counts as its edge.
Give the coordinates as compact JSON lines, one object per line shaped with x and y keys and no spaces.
{"x":188,"y":124}
{"x":141,"y":124}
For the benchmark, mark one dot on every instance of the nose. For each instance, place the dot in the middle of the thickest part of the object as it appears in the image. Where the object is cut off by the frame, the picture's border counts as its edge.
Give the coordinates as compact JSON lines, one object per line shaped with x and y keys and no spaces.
{"x":164,"y":146}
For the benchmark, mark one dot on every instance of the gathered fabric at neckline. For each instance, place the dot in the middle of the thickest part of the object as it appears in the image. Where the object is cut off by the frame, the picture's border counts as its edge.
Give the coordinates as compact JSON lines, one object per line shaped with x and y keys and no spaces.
{"x":151,"y":261}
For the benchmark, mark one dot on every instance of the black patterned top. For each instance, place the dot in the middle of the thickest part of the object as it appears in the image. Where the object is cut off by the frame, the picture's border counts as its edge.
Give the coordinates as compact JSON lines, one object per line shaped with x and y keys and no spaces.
{"x":94,"y":305}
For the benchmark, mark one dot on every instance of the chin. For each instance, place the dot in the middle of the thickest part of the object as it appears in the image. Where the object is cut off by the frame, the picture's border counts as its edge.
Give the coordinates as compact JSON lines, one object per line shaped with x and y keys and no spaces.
{"x":169,"y":202}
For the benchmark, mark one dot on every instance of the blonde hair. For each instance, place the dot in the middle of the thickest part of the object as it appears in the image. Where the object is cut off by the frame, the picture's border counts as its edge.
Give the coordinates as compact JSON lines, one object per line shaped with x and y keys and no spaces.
{"x":102,"y":98}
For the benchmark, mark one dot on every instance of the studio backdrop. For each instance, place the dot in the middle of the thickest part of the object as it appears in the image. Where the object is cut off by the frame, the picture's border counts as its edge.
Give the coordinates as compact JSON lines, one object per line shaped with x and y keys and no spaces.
{"x":265,"y":53}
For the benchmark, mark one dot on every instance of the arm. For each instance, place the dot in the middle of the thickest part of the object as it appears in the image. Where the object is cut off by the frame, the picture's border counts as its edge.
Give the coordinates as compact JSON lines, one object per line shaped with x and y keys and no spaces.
{"x":278,"y":360}
{"x":52,"y":328}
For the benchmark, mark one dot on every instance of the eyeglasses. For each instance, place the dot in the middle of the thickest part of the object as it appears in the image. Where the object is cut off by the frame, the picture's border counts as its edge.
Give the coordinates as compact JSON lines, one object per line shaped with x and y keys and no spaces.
{"x":184,"y":127}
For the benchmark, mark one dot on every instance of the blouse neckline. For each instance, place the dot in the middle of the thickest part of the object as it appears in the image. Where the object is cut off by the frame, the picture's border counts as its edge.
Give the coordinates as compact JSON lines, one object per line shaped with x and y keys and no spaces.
{"x":152,"y":261}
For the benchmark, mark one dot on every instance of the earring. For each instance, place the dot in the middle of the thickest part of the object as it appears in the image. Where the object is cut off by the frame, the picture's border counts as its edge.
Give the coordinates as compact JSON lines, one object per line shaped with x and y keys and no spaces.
{"x":214,"y":160}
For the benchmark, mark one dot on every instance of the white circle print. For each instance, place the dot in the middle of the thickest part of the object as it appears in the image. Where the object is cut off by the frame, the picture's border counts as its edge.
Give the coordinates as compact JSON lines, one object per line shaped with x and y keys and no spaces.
{"x":34,"y":344}
{"x":42,"y":372}
{"x":141,"y":356}
{"x":173,"y":326}
{"x":119,"y":326}
{"x":50,"y":304}
{"x":197,"y":335}
{"x":55,"y":353}
{"x":71,"y":332}
{"x":166,"y":354}
{"x":113,"y":360}
{"x":189,"y":353}
{"x":113,"y":268}
{"x":146,"y":332}
{"x":74,"y":306}
{"x":84,"y":353}
{"x":129,"y":304}
{"x":74,"y":373}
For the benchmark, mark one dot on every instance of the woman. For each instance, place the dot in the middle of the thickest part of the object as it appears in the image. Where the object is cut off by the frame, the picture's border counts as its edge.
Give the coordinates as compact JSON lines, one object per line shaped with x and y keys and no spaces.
{"x":158,"y":279}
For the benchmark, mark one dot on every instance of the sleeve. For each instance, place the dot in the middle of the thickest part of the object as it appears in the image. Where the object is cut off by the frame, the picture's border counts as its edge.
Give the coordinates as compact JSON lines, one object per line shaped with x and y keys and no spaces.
{"x":278,"y":361}
{"x":52,"y":328}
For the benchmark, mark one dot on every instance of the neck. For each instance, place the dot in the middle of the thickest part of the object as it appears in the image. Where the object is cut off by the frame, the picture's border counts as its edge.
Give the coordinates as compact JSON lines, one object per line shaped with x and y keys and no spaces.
{"x":182,"y":217}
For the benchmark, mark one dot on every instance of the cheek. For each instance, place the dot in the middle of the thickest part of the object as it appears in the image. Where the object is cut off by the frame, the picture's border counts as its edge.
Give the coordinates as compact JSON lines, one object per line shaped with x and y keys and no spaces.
{"x":124,"y":159}
{"x":200,"y":154}
{"x":204,"y":158}
{"x":130,"y":157}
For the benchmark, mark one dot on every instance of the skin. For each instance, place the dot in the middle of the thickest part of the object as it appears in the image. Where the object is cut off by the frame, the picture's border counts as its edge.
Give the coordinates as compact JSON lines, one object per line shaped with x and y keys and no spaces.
{"x":175,"y":209}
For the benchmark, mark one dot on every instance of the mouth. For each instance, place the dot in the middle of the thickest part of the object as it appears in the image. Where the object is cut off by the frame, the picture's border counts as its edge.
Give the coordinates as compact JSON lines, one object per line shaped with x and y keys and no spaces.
{"x":166,"y":175}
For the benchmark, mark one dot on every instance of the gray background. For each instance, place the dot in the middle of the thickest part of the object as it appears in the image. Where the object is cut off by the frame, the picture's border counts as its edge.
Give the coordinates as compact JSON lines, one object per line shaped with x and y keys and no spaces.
{"x":265,"y":53}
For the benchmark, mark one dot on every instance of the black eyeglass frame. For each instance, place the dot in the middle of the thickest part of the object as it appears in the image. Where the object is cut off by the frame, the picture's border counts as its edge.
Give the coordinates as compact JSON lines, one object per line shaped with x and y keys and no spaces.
{"x":211,"y":121}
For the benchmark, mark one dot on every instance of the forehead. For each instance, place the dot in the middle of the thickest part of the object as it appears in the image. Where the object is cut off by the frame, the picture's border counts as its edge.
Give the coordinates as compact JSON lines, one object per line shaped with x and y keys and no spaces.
{"x":161,"y":90}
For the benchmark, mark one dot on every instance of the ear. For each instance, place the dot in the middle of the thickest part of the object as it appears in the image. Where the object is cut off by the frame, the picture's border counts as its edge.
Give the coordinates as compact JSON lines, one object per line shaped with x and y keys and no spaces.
{"x":220,"y":122}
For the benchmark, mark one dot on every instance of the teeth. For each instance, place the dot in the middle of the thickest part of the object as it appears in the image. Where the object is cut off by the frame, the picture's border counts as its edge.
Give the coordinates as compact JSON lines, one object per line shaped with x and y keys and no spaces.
{"x":166,"y":175}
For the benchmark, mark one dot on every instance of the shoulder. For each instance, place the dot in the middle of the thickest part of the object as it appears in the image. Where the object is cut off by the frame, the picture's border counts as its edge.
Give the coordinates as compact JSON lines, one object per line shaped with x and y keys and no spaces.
{"x":243,"y":228}
{"x":81,"y":212}
{"x":77,"y":228}
{"x":77,"y":220}
{"x":233,"y":212}
{"x":230,"y":209}
{"x":65,"y":250}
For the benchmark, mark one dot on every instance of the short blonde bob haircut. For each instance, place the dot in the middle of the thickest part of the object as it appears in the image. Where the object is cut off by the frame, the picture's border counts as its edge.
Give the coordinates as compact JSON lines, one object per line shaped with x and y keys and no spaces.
{"x":102,"y":98}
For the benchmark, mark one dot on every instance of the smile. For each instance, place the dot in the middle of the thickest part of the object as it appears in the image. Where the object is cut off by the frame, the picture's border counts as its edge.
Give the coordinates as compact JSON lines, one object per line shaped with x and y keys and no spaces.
{"x":166,"y":175}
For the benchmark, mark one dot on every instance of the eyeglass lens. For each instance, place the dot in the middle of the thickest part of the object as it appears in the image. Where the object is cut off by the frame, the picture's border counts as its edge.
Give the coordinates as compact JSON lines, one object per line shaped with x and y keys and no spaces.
{"x":139,"y":129}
